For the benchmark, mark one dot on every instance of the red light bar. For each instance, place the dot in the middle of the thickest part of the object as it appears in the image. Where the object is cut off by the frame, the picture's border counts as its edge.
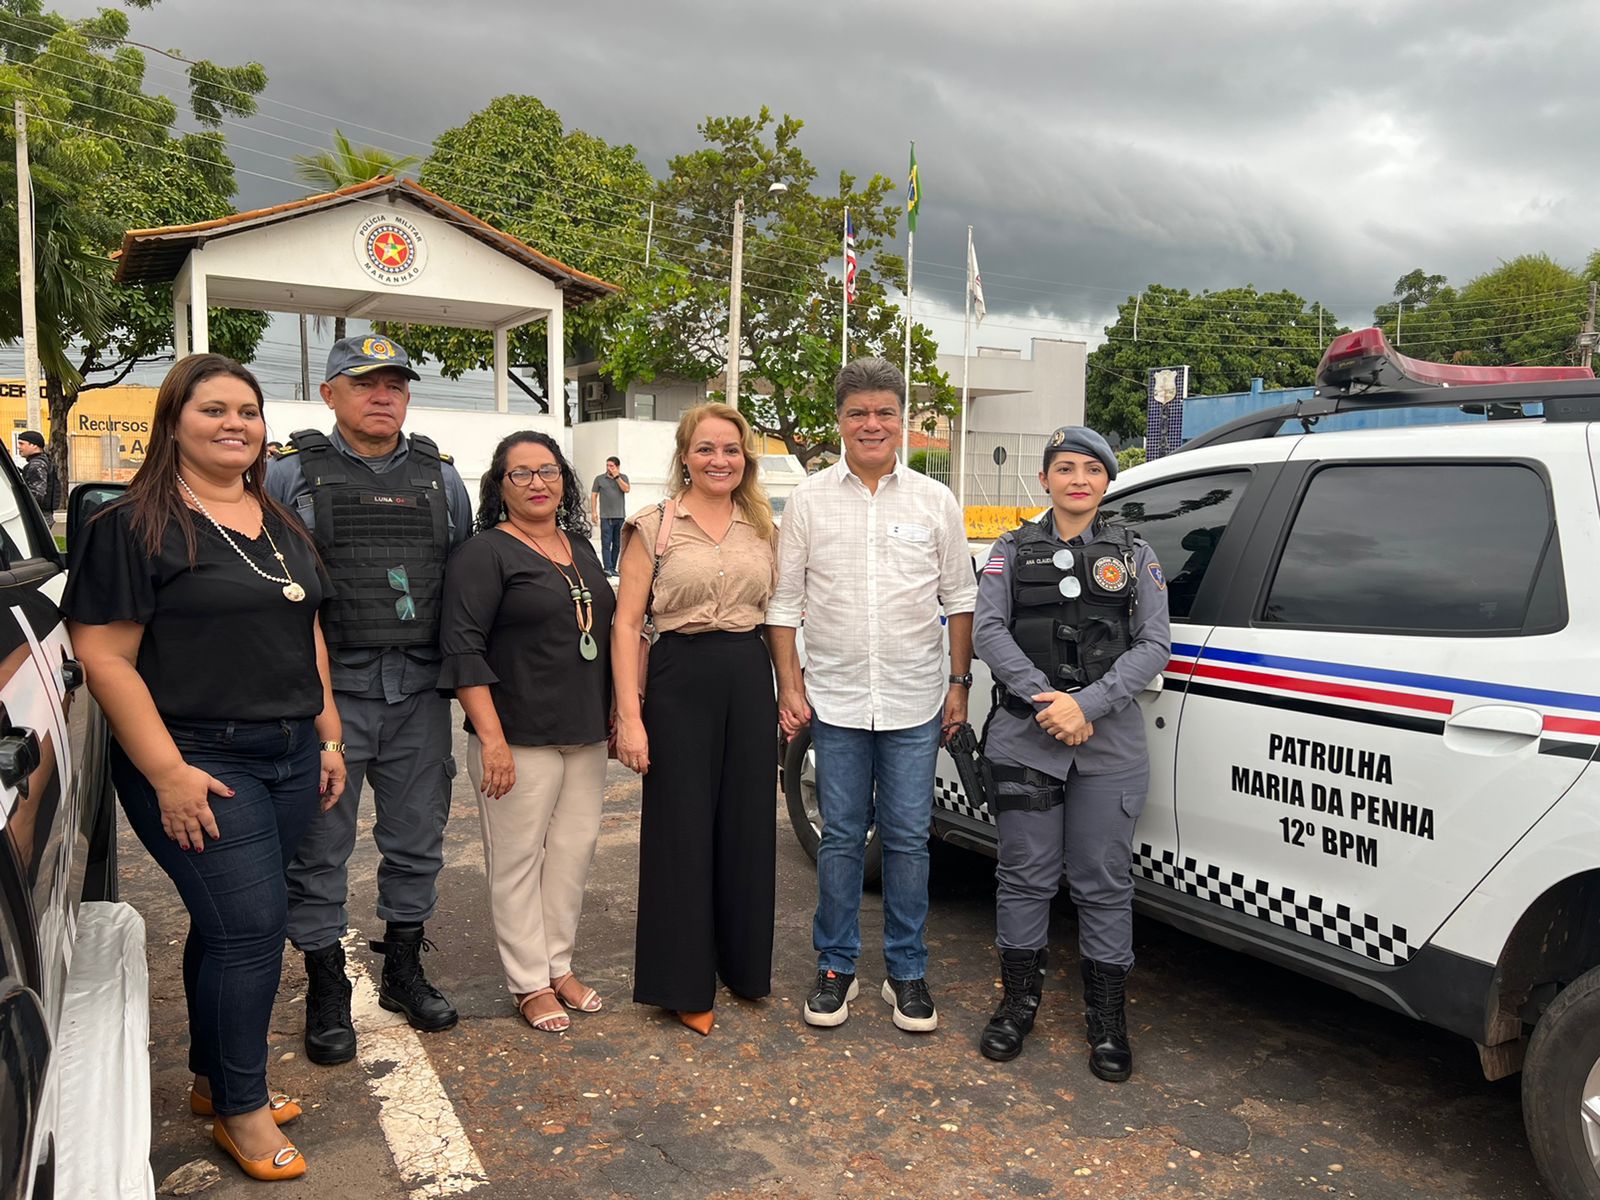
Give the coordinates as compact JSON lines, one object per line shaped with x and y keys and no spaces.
{"x":1365,"y":356}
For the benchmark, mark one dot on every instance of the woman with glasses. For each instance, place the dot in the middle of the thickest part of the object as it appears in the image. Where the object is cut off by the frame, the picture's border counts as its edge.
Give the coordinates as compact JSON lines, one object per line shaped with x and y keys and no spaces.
{"x":526,"y":639}
{"x":192,"y":603}
{"x":704,"y":735}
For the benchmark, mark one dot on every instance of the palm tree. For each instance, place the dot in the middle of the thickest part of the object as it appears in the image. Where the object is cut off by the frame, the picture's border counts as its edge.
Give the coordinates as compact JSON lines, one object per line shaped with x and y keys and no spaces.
{"x":345,"y":165}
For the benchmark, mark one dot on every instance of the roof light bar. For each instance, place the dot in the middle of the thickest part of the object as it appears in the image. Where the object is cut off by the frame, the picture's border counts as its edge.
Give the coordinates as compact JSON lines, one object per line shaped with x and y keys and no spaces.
{"x":1364,"y":356}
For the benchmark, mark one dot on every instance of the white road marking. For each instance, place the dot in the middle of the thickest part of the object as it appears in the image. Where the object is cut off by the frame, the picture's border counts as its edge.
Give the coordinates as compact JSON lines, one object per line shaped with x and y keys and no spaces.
{"x":426,"y":1139}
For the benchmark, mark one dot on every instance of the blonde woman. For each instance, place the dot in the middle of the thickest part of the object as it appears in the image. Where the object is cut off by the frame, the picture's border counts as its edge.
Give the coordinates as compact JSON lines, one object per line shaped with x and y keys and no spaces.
{"x":704,"y":734}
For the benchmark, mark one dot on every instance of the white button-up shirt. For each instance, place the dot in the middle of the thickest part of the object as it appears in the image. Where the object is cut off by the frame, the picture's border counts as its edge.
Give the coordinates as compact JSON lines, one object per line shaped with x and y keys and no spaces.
{"x":867,"y":572}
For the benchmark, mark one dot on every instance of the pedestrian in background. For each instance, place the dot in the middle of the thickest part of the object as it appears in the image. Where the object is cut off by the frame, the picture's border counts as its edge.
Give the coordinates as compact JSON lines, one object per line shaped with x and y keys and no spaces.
{"x":703,"y":738}
{"x":526,"y":637}
{"x":39,"y":471}
{"x":869,"y":554}
{"x":385,"y":510}
{"x":609,"y":490}
{"x":192,"y":603}
{"x":1066,"y":751}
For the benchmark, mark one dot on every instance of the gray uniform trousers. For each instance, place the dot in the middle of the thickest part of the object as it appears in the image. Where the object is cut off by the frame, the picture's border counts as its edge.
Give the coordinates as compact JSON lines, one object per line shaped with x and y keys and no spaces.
{"x":1091,"y":837}
{"x":404,"y":750}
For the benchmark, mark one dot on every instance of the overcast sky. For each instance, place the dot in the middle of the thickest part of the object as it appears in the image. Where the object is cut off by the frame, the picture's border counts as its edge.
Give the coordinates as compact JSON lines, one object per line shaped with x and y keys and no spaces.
{"x":1095,"y":147}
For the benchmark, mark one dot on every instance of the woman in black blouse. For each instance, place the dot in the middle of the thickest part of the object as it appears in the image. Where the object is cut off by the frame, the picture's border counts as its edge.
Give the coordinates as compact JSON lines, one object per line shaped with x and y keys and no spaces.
{"x":192,"y":603}
{"x":526,"y":638}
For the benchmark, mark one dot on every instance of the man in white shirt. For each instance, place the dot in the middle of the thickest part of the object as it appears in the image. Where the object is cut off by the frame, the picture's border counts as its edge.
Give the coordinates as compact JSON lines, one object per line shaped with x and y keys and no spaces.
{"x":869,"y":552}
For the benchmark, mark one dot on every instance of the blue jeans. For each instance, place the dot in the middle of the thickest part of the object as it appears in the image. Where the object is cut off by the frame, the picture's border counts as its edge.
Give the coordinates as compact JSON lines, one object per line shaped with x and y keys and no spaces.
{"x":610,"y":541}
{"x":233,"y":888}
{"x":901,"y":764}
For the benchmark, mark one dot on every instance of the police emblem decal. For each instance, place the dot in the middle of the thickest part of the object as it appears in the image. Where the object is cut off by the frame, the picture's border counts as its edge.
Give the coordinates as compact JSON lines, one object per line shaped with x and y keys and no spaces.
{"x":1156,"y":574}
{"x":1110,"y":574}
{"x":390,"y":248}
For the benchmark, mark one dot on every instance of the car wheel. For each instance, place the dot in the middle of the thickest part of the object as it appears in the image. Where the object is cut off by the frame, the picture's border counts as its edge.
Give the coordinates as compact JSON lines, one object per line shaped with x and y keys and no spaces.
{"x":805,"y":812}
{"x":1561,"y":1091}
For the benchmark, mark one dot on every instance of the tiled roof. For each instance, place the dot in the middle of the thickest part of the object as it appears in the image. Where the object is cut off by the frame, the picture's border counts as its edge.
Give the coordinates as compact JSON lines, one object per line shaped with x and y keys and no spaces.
{"x":156,"y":255}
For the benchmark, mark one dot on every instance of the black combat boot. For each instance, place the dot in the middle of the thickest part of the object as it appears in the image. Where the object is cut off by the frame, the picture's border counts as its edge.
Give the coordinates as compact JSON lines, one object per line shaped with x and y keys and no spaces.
{"x":330,"y":1034}
{"x":1105,"y":991}
{"x":1022,"y":977}
{"x":405,"y":989}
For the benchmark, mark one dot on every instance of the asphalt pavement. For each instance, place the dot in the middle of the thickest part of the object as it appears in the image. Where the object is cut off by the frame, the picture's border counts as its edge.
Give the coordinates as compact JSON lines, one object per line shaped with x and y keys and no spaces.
{"x":1249,"y":1081}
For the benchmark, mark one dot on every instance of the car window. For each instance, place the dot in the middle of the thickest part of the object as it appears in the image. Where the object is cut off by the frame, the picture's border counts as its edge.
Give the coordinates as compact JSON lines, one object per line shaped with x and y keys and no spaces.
{"x":1438,"y":548}
{"x":18,"y":539}
{"x":1183,"y":520}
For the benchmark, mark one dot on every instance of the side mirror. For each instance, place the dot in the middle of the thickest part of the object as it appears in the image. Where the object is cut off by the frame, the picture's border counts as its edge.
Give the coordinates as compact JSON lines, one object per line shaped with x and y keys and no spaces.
{"x":85,"y":500}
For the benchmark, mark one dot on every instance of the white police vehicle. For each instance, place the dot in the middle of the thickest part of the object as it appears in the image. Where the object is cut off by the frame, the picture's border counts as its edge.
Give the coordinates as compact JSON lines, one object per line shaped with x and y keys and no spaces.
{"x":73,"y":991}
{"x":1372,"y":749}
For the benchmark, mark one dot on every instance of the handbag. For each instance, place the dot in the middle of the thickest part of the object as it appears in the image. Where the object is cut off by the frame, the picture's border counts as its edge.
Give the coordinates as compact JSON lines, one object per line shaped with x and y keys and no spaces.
{"x":648,"y":635}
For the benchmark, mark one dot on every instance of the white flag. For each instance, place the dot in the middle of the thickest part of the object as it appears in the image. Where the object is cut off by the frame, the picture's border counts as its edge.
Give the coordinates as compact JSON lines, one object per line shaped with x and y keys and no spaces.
{"x":975,"y":282}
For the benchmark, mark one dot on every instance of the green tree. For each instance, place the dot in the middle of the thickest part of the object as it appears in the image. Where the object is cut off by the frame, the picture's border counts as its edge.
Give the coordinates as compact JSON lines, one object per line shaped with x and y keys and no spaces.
{"x":1226,"y":338}
{"x":567,"y":194}
{"x":1421,"y":321}
{"x":1529,"y":309}
{"x":104,"y":159}
{"x":792,"y":304}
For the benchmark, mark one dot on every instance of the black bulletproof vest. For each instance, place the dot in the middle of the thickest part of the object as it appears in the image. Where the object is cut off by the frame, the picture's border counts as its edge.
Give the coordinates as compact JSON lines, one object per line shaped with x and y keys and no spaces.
{"x":1072,"y":639}
{"x":382,"y":538}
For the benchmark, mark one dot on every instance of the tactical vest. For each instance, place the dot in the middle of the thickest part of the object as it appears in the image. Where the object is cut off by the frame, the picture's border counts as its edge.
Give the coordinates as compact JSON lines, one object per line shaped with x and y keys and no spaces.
{"x":1072,"y":631}
{"x":383,"y":538}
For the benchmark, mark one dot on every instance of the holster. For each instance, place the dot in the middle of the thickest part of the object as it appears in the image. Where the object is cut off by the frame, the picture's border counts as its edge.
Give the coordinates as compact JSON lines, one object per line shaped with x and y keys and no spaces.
{"x":1022,"y":789}
{"x":963,"y":748}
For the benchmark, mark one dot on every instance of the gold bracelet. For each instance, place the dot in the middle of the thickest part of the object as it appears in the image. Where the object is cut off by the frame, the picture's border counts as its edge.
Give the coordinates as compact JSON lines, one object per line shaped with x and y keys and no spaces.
{"x":331,"y":747}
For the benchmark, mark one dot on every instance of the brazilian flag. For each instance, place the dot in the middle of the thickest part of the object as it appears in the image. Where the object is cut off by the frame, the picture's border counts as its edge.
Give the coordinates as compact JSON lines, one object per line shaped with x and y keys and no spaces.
{"x":913,"y":192}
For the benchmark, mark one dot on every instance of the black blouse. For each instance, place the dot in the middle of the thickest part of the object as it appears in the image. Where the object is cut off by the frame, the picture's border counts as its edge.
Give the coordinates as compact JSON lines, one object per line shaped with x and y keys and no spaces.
{"x":508,"y":622}
{"x":220,"y":642}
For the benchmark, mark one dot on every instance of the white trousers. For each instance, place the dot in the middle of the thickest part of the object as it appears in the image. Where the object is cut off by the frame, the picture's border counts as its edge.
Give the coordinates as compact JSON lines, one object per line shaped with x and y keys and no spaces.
{"x":538,"y":844}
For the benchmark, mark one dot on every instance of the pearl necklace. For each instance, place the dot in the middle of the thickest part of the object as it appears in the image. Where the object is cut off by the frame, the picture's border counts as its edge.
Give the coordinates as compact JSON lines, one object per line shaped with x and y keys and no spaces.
{"x":291,"y":590}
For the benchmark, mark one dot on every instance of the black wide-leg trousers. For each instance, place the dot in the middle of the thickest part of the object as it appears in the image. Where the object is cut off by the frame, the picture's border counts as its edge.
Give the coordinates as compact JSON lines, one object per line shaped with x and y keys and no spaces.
{"x":708,"y":834}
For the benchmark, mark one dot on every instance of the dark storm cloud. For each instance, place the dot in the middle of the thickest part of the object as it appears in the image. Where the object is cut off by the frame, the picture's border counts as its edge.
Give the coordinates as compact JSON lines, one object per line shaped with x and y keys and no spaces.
{"x":1094,"y":148}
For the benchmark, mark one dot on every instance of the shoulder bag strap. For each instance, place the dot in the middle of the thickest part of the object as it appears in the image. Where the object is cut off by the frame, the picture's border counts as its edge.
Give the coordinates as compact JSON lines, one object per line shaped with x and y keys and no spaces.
{"x":668,"y":510}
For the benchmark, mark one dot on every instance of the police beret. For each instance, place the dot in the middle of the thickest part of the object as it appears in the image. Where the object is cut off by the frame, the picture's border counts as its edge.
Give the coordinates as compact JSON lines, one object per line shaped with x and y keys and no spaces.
{"x":1080,"y":439}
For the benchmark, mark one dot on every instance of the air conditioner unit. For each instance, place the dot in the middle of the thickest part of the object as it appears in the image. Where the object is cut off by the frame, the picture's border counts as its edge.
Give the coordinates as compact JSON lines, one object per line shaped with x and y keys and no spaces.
{"x":594,"y":393}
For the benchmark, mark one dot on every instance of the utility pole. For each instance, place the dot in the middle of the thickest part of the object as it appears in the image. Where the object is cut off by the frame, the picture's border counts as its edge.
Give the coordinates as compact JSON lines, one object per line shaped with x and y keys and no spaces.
{"x":1587,"y":340}
{"x":305,"y":363}
{"x":30,"y":316}
{"x":649,"y":234}
{"x":732,"y":372}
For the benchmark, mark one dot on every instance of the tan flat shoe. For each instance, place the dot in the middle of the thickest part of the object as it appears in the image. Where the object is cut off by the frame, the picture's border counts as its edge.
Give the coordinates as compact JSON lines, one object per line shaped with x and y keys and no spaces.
{"x":285,"y":1163}
{"x":543,"y":1011}
{"x":283,"y":1108}
{"x":700,"y":1022}
{"x":575,"y":995}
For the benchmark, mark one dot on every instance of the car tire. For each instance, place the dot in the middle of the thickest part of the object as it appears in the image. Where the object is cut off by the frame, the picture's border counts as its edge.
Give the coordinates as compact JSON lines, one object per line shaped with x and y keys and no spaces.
{"x":805,"y":814}
{"x":1559,"y":1075}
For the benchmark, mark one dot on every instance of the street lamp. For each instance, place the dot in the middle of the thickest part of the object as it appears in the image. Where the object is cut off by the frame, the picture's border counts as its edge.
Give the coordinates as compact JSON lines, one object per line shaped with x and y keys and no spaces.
{"x":731,"y":374}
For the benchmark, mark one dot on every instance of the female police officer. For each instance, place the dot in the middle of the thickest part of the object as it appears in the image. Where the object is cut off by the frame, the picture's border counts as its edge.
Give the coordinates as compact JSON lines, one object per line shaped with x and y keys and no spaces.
{"x":1072,"y":620}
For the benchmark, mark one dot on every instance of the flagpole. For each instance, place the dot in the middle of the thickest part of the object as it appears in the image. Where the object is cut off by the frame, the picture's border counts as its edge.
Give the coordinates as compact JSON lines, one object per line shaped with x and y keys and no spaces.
{"x":966,"y":352}
{"x":844,"y":335}
{"x":905,"y":425}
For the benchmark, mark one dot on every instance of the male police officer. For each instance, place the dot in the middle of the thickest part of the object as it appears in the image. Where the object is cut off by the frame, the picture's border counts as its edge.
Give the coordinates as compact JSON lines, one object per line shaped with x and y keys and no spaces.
{"x":1072,"y":620}
{"x":386,"y":510}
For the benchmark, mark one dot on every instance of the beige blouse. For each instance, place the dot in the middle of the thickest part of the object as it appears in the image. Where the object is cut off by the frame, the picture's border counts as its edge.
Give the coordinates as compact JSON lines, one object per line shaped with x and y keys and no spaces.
{"x":705,"y":585}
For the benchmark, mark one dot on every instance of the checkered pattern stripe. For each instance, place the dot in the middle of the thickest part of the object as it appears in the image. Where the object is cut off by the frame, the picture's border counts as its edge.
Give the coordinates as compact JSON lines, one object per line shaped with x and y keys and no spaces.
{"x":947,"y":793}
{"x":1298,"y":912}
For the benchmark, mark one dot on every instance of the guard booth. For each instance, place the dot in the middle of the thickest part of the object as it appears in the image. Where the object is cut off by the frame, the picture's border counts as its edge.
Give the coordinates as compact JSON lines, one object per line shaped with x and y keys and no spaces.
{"x":385,"y":250}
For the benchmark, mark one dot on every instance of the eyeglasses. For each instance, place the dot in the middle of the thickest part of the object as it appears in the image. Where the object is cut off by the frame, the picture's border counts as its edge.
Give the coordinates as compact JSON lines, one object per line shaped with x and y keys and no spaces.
{"x":523,"y":476}
{"x":405,"y":608}
{"x":857,"y":416}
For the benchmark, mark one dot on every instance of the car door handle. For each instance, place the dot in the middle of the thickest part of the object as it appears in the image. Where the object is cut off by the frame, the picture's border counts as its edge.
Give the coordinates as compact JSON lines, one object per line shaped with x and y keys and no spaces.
{"x":19,"y":757}
{"x":71,"y":675}
{"x":1157,"y":684}
{"x":1493,"y":729}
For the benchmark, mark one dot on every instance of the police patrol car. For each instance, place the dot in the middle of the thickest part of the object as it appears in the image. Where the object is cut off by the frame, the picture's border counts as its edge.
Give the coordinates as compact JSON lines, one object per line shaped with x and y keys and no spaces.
{"x":73,"y":992}
{"x":1371,"y":750}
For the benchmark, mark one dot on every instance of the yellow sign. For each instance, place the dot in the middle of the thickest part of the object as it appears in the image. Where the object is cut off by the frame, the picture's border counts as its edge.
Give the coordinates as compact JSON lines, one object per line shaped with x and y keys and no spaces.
{"x":107,"y":429}
{"x":985,"y":522}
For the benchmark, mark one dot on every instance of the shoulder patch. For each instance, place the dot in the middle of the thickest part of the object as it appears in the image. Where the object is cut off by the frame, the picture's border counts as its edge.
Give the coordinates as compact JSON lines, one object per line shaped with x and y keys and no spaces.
{"x":443,"y":457}
{"x":288,"y":450}
{"x":1155,"y":574}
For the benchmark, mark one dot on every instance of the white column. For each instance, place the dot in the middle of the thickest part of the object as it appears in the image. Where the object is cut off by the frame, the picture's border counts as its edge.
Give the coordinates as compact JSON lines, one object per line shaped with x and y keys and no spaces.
{"x":180,"y":310}
{"x":501,"y":394}
{"x":556,"y":368}
{"x":197,"y":305}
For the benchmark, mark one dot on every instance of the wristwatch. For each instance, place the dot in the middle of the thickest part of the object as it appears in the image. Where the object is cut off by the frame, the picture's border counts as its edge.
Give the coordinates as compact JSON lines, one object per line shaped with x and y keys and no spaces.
{"x":331,"y":747}
{"x":964,"y":680}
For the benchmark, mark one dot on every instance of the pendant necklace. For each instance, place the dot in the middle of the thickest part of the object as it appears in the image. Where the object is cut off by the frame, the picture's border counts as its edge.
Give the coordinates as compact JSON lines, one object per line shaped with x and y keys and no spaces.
{"x":291,"y":590}
{"x":582,"y":598}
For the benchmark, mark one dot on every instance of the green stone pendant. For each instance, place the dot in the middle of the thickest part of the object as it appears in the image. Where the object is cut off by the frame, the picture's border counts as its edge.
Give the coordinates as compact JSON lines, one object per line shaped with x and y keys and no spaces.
{"x":587,"y":646}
